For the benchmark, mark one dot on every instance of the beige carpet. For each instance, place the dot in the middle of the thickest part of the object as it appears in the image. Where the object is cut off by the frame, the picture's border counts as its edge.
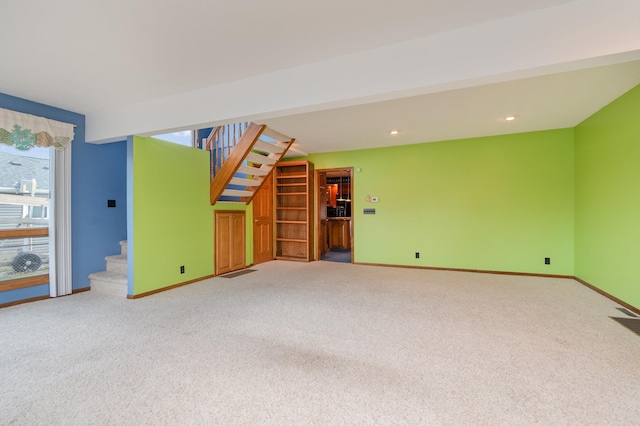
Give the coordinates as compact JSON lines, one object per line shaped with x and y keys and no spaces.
{"x":324,"y":343}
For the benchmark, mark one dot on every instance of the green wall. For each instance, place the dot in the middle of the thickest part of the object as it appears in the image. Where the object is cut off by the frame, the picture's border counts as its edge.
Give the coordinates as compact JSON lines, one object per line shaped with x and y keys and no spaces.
{"x":607,"y":167}
{"x":172,"y":215}
{"x":173,"y":223}
{"x":500,"y":203}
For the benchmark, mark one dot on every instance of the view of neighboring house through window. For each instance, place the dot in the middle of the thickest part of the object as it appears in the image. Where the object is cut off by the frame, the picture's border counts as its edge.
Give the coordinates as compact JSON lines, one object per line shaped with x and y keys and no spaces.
{"x":24,"y":212}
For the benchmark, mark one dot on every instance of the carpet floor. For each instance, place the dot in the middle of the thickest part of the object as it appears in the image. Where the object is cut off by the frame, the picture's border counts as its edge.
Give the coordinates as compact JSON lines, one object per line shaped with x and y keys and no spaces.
{"x":324,"y":343}
{"x":343,"y":256}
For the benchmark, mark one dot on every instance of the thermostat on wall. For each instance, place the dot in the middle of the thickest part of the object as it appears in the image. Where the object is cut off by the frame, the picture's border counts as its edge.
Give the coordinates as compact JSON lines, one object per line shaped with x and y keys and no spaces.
{"x":374,"y":199}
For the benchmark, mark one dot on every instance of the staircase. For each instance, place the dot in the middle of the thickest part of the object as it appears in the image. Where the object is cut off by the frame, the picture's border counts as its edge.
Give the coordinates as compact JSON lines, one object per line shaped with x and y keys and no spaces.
{"x":113,"y":281}
{"x":242,"y":156}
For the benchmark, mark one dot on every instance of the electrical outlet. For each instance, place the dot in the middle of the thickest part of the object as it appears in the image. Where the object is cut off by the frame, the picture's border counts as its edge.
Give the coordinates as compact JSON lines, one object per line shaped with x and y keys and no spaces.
{"x":547,"y":261}
{"x":111,"y":203}
{"x":182,"y":269}
{"x":417,"y":255}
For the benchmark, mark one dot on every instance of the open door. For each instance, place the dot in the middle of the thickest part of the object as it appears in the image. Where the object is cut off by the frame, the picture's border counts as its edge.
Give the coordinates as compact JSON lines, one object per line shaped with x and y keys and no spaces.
{"x":335,"y":214}
{"x":263,"y":223}
{"x":323,"y":196}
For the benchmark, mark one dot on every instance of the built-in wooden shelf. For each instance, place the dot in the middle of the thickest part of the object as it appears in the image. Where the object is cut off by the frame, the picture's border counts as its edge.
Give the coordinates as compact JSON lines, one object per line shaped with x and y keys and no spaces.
{"x":294,"y":210}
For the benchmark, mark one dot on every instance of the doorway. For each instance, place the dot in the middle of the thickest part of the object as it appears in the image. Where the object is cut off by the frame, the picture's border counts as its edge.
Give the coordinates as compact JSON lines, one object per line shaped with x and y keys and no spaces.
{"x":335,"y":214}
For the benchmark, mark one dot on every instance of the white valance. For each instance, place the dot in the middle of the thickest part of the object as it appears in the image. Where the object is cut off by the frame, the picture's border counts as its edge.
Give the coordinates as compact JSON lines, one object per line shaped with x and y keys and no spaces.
{"x":25,"y":131}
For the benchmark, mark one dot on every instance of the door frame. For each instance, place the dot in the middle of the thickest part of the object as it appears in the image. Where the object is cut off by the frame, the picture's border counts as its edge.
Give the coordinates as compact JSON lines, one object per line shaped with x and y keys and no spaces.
{"x":317,"y":205}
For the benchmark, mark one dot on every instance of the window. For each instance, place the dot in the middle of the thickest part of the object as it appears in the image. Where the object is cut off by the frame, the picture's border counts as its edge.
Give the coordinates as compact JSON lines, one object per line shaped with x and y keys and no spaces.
{"x":24,"y":213}
{"x":181,"y":138}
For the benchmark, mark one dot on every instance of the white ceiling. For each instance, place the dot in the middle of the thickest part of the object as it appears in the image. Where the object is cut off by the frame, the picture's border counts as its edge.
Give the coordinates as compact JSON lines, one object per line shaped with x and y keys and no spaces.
{"x":552,"y":101}
{"x":305,"y":67}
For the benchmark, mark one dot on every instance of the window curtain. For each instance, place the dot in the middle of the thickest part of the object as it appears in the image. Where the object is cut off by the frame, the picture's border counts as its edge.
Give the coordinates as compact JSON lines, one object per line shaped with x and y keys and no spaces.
{"x":60,"y":225}
{"x":23,"y":132}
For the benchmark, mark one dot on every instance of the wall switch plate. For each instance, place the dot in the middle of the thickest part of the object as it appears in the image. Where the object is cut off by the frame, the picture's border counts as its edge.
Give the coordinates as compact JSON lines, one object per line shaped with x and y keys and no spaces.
{"x":111,"y":203}
{"x":182,"y":269}
{"x":547,"y":261}
{"x":417,"y":255}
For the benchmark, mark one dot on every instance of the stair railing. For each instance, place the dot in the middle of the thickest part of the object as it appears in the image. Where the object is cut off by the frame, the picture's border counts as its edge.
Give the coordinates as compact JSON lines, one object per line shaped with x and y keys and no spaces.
{"x":221,"y":142}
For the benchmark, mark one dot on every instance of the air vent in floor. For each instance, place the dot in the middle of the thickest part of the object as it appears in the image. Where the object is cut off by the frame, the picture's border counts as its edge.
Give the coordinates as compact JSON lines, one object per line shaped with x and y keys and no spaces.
{"x":237,"y":274}
{"x":627,"y":312}
{"x":630,"y":323}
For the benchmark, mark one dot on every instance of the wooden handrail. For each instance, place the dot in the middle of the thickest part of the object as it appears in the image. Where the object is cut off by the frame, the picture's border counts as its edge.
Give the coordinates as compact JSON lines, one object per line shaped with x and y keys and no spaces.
{"x":211,"y":138}
{"x":221,"y":141}
{"x":24,"y":232}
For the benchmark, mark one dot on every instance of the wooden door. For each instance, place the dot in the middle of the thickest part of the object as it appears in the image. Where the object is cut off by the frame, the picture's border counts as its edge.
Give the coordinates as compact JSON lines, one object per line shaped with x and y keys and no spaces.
{"x":263,"y":223}
{"x":237,"y":247}
{"x":324,"y":193}
{"x":229,"y":241}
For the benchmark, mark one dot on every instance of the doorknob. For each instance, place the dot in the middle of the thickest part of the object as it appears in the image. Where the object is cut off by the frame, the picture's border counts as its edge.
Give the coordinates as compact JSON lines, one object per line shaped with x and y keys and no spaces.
{"x":256,"y":221}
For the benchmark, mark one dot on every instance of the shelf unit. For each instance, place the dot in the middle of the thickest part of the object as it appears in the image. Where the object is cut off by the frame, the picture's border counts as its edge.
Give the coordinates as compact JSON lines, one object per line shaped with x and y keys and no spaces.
{"x":294,"y":211}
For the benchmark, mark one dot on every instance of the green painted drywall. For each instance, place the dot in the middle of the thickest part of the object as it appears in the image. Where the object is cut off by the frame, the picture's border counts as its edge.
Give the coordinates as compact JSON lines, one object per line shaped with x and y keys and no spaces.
{"x":172,"y":216}
{"x":500,"y":203}
{"x":607,"y":174}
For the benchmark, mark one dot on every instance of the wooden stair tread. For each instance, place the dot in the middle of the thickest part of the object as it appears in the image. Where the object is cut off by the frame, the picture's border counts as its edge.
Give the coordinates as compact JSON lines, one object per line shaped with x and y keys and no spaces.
{"x":268,"y":147}
{"x":254,"y":157}
{"x":244,"y":182}
{"x":253,"y":171}
{"x":277,"y":136}
{"x":236,"y":193}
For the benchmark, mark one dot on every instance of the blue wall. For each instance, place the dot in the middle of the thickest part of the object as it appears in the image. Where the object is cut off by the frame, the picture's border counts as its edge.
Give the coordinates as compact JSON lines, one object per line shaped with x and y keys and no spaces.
{"x":98,"y":173}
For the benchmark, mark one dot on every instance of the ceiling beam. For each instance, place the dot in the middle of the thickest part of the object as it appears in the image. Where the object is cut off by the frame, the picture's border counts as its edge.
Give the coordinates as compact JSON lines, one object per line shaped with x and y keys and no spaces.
{"x":571,"y":36}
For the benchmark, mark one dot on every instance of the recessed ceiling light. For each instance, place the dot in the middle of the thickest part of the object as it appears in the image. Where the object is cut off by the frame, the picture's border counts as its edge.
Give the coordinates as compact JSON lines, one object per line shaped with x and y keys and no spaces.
{"x":510,"y":117}
{"x":394,"y":132}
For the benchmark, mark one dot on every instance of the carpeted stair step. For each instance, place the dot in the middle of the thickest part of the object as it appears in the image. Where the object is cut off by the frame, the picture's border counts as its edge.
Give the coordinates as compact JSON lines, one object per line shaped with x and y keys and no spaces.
{"x":112,"y":283}
{"x":117,"y":263}
{"x":123,"y":247}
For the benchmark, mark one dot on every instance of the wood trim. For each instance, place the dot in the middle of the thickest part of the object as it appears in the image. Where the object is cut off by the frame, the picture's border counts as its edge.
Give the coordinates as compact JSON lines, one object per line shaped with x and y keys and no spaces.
{"x":316,"y":188}
{"x":20,"y":302}
{"x":480,"y":271}
{"x":35,"y":299}
{"x":24,"y":232}
{"x":160,"y":290}
{"x":24,"y":282}
{"x":608,"y":296}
